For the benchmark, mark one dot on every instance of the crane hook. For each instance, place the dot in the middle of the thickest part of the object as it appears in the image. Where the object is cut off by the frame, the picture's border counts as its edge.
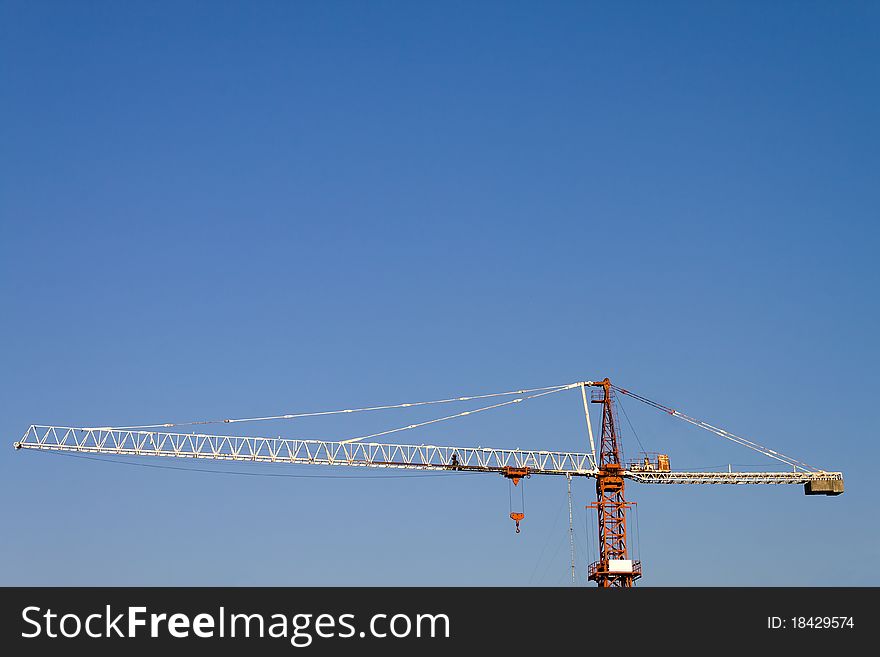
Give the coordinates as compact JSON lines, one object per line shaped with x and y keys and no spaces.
{"x":516,"y":517}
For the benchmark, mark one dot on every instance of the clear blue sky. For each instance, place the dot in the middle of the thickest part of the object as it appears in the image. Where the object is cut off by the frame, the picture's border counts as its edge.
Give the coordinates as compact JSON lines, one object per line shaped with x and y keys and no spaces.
{"x":231,"y":209}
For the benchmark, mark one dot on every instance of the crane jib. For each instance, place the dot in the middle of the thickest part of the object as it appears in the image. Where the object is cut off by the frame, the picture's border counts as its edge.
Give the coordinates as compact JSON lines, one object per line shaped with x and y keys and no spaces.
{"x":380,"y":455}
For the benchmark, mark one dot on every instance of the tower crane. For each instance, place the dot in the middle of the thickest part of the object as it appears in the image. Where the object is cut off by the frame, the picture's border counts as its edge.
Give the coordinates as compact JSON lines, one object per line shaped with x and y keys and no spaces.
{"x":614,"y":567}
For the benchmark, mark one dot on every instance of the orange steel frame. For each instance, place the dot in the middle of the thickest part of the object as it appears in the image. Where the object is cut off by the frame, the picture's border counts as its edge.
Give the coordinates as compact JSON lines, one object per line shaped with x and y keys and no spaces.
{"x":610,"y":505}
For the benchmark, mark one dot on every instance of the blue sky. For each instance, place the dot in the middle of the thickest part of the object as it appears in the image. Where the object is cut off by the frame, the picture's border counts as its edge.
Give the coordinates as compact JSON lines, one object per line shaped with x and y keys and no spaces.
{"x":236,"y":209}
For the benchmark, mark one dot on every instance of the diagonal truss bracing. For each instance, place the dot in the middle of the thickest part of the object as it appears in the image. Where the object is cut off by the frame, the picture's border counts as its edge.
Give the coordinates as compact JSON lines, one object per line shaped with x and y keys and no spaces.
{"x":316,"y":452}
{"x":797,"y":477}
{"x":375,"y":455}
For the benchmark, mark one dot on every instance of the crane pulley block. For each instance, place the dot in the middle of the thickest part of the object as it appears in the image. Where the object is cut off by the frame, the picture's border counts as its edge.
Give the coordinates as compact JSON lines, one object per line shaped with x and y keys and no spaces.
{"x":514,"y":474}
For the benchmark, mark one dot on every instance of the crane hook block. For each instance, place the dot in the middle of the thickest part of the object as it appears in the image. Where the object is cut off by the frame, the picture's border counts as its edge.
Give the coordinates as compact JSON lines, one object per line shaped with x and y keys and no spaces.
{"x":516,"y":517}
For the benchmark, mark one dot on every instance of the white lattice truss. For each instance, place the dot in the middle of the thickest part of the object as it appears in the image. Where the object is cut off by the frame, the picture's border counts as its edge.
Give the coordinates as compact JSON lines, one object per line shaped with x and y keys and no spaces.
{"x":371,"y":455}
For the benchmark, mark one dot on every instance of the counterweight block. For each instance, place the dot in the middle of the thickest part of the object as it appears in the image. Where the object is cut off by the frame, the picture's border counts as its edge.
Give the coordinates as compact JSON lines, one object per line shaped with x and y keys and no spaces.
{"x":824,"y":487}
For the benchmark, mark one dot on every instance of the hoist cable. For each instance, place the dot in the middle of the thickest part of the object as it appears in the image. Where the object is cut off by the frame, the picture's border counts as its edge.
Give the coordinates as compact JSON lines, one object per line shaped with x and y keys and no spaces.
{"x":629,"y":422}
{"x":547,"y":541}
{"x":766,"y":451}
{"x":457,"y":415}
{"x":291,"y":416}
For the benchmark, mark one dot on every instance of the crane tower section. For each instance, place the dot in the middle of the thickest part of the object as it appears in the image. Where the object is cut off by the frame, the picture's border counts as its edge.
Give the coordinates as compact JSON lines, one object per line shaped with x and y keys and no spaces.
{"x":614,"y":569}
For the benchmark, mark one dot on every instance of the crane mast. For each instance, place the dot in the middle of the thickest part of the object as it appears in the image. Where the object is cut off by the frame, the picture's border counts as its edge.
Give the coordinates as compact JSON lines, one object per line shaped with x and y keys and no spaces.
{"x":614,"y":567}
